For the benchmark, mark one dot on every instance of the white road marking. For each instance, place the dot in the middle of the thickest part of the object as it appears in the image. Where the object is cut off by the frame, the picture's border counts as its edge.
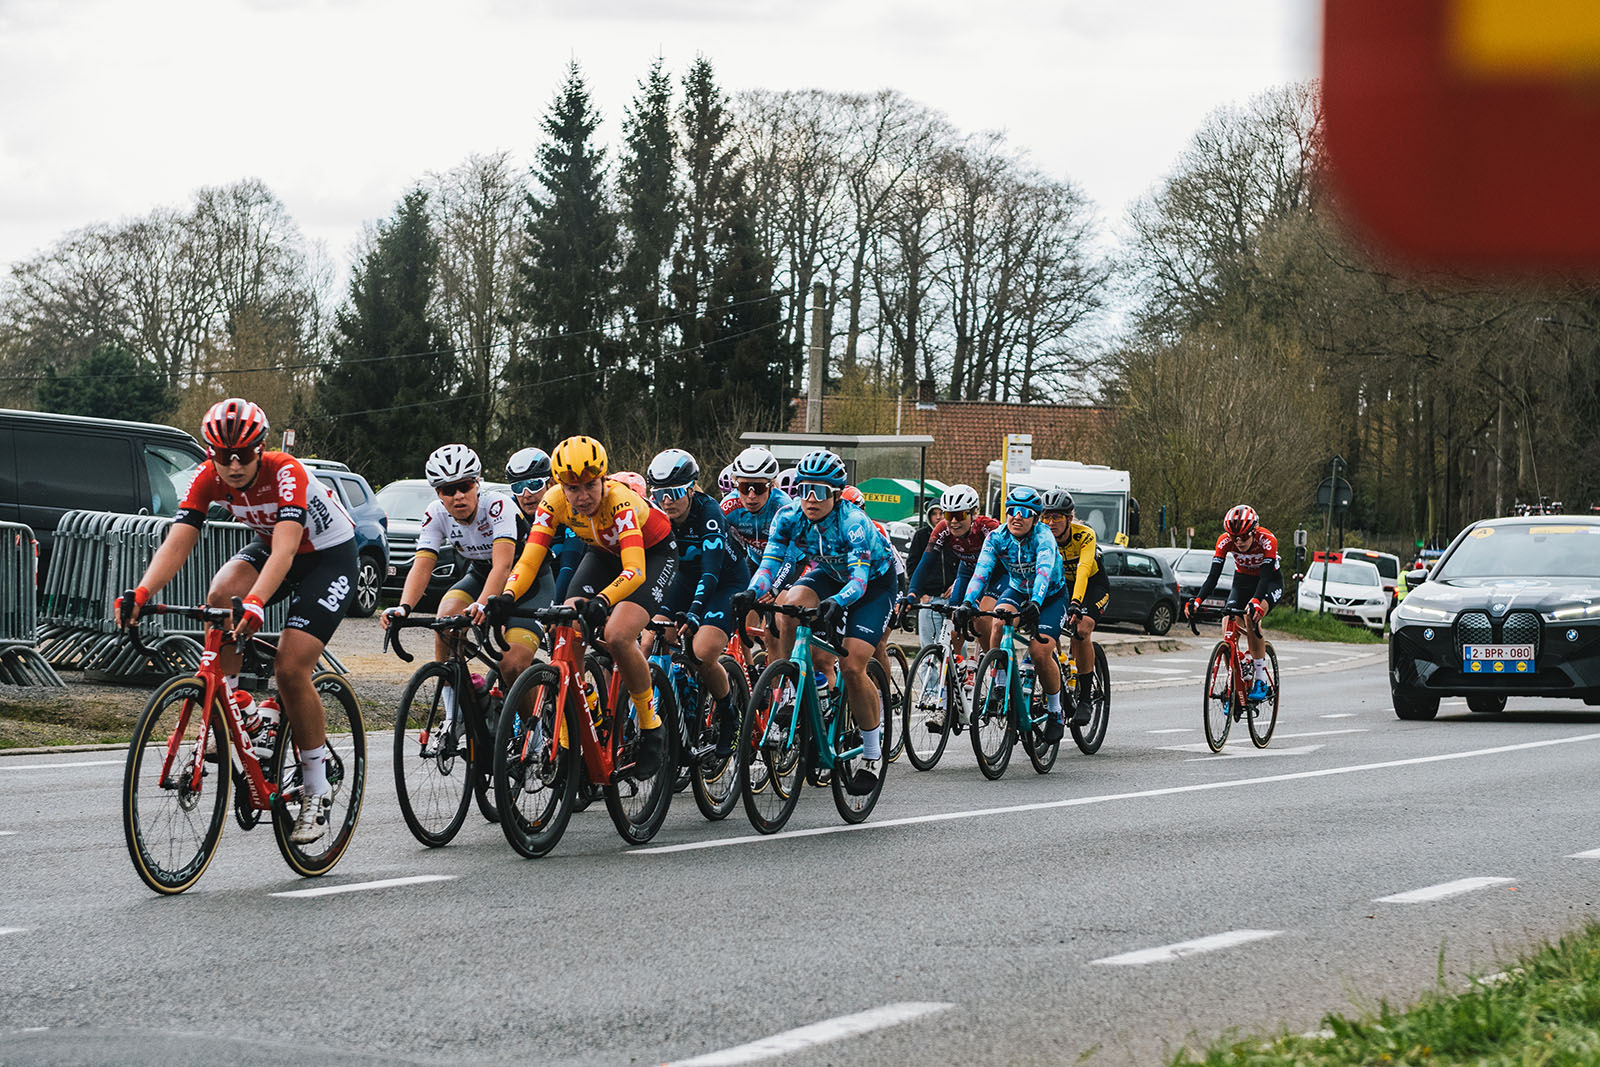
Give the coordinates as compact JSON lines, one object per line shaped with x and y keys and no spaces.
{"x":1592,"y":854}
{"x":1244,"y":752}
{"x":1325,"y":733}
{"x":8,"y":833}
{"x":1179,"y":730}
{"x":815,"y":1034}
{"x":1075,"y":802}
{"x":356,"y":887}
{"x":1339,"y":715}
{"x":52,"y":766}
{"x":1156,"y":670}
{"x":1187,"y":948}
{"x":4,"y":930}
{"x":1441,"y":891}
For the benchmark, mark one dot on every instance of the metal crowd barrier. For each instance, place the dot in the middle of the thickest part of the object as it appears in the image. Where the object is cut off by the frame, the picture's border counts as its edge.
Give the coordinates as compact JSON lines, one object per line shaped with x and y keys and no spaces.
{"x":95,"y":557}
{"x":20,"y":663}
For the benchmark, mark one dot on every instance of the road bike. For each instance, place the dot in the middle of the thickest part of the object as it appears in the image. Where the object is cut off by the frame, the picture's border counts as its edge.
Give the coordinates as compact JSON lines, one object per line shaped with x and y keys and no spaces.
{"x":1090,"y":736}
{"x":791,"y":729}
{"x":174,"y":803}
{"x":935,"y":702}
{"x":714,"y":779}
{"x":441,"y":758}
{"x":1004,"y":708}
{"x":1229,"y":677}
{"x":538,"y":771}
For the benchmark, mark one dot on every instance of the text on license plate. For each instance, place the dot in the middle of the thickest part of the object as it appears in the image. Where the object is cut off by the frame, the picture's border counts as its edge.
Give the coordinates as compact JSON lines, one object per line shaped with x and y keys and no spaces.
{"x":1497,"y":659}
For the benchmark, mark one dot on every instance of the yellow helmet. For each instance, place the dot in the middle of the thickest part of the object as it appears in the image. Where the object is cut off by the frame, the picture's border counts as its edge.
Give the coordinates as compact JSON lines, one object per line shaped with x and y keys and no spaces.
{"x":577,"y":459}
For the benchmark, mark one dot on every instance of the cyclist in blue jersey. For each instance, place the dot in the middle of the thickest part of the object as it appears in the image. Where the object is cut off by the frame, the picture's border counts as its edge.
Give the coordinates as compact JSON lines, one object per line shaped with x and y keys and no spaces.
{"x":709,"y":573}
{"x":1034,"y":590}
{"x":749,"y":509}
{"x":848,"y":575}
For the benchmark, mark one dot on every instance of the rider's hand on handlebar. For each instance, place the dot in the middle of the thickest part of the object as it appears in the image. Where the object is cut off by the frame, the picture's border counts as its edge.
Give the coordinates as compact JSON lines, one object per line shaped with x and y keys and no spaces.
{"x":252,"y":613}
{"x":1257,"y":609}
{"x":497,"y":609}
{"x":125,"y":609}
{"x":962,"y":617}
{"x":743,"y":601}
{"x":594,"y":612}
{"x":690,"y":619}
{"x":1028,"y":616}
{"x":830,"y":615}
{"x":477,"y":611}
{"x":390,"y":614}
{"x":1191,"y":608}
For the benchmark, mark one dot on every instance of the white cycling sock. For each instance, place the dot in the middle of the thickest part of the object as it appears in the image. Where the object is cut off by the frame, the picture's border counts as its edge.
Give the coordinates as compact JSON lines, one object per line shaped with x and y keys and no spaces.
{"x":314,"y":769}
{"x":1053,"y":701}
{"x":872,"y":743}
{"x":447,"y":696}
{"x":1261,"y":668}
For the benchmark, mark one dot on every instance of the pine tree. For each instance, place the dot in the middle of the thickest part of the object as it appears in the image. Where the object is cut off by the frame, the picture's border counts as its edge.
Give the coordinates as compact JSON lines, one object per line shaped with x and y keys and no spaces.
{"x":649,"y":197}
{"x":566,"y":281}
{"x":380,"y":403}
{"x":109,"y":383}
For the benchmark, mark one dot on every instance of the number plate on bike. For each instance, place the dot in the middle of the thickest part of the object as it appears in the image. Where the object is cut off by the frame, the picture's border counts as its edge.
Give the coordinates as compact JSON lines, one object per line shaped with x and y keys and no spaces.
{"x":1497,"y":659}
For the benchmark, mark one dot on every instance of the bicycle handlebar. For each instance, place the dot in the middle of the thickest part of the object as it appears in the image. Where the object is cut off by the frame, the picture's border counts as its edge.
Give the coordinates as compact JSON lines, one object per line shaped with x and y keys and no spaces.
{"x":218,"y":617}
{"x":686,"y":647}
{"x":488,"y":636}
{"x":979,"y":613}
{"x":1255,"y":624}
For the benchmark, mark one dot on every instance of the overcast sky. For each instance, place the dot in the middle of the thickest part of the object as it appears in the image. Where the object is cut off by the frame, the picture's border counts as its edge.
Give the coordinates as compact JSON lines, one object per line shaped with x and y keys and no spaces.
{"x":112,"y":108}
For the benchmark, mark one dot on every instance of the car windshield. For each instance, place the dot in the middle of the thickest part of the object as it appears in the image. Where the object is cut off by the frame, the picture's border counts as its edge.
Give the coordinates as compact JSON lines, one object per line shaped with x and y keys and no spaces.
{"x":1198,"y":561}
{"x":1524,"y":551}
{"x":400,"y":500}
{"x":1389,"y":568}
{"x":1348,"y":573}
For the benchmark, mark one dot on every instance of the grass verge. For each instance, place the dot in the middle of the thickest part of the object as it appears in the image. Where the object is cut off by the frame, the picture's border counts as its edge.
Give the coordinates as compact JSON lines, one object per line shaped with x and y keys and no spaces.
{"x":1314,"y":627}
{"x":1544,"y":1011}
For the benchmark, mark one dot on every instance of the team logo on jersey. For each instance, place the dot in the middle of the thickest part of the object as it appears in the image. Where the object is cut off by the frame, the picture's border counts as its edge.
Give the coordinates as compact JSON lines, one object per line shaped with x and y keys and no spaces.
{"x":625,"y":521}
{"x":857,"y":535}
{"x":495,"y":508}
{"x":427,"y":517}
{"x":544,"y":520}
{"x":287,"y":484}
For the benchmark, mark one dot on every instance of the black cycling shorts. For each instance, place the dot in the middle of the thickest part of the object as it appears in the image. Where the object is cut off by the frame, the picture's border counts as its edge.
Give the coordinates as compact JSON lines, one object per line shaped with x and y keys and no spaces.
{"x":1268,"y":586}
{"x":1096,"y":596}
{"x":599,"y":569}
{"x":320,"y":585}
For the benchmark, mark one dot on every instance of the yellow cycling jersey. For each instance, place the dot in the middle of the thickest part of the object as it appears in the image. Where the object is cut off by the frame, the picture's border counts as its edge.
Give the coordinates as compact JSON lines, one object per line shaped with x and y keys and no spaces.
{"x":624,"y":525}
{"x":1081,"y":556}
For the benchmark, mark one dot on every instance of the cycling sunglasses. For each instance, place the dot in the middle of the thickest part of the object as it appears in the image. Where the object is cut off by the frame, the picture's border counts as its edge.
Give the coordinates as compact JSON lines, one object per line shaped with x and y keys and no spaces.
{"x":455,"y":488}
{"x":1026,"y":513}
{"x":1056,"y":516}
{"x":813,"y":490}
{"x":753,"y":488}
{"x":956,"y":516}
{"x":227,"y":457}
{"x":671,"y":492}
{"x":529,"y":485}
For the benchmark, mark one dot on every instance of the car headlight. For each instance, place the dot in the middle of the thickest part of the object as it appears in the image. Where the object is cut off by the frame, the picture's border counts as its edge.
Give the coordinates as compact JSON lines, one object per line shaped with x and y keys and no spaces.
{"x":1409,"y":611}
{"x":1575,"y":611}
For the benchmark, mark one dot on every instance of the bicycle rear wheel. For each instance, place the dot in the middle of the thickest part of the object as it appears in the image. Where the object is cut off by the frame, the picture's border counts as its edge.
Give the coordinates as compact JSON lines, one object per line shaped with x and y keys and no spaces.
{"x":1090,"y":737}
{"x":772,"y":748}
{"x":1263,"y":717}
{"x":172,"y":825}
{"x":535,"y":776}
{"x":638,"y":808}
{"x":347,"y":777}
{"x":929,"y":702}
{"x":855,"y":807}
{"x":992,"y":735}
{"x":1217,"y":702}
{"x":716,"y":779}
{"x":433,"y":768}
{"x":894,"y":738}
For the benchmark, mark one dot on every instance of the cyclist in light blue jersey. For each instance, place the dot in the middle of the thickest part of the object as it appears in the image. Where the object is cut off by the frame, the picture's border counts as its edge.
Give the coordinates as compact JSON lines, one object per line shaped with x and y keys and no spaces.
{"x":1034,"y":590}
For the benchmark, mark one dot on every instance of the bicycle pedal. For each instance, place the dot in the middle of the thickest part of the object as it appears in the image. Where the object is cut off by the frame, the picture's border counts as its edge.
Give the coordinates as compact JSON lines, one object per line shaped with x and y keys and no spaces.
{"x":700,"y":753}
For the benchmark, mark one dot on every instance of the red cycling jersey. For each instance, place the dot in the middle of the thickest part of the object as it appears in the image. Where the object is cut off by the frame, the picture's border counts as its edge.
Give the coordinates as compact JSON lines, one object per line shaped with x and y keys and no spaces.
{"x":1263,"y":551}
{"x":283,"y":491}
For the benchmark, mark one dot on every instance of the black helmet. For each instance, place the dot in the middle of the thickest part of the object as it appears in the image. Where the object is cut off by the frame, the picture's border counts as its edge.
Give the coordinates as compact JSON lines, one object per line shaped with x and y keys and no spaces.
{"x":1058,"y":500}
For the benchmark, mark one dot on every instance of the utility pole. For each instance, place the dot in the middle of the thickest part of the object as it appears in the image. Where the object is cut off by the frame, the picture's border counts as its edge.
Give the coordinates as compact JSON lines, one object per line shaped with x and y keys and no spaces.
{"x":819,"y":356}
{"x":1327,"y":537}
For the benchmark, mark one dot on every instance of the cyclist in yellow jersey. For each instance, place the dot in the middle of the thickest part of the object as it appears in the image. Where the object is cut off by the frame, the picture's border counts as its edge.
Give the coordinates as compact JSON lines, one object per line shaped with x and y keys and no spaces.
{"x":629,"y":562}
{"x":1090,"y":591}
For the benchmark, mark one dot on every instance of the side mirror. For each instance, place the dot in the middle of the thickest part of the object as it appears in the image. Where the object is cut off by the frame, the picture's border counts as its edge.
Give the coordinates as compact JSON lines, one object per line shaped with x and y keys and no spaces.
{"x":1416,"y":577}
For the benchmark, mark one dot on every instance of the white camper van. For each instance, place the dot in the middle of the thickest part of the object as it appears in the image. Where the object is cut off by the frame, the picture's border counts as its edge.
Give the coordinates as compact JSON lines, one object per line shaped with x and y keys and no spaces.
{"x":1100,"y":495}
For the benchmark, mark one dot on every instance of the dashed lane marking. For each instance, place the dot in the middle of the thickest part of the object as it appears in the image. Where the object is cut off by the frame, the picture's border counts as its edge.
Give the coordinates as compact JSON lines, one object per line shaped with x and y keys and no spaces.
{"x":822,"y":1033}
{"x":1178,"y":951}
{"x":4,"y":930}
{"x":1339,"y":715}
{"x":1177,"y":730}
{"x":1592,"y":854}
{"x":1241,"y":752}
{"x":1427,"y":894}
{"x":53,"y":766}
{"x":357,"y":887}
{"x":1325,"y":733}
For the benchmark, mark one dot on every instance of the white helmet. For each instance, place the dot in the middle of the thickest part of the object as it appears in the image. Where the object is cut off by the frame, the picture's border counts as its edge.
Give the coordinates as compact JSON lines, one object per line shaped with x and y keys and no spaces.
{"x":959,"y":497}
{"x":755,"y":462}
{"x":725,"y":479}
{"x":452,"y":463}
{"x":785,"y":480}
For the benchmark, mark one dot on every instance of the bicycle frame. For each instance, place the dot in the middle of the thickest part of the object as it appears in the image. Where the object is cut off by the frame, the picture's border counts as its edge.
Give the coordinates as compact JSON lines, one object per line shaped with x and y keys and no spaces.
{"x":566,"y":655}
{"x":1015,"y":704}
{"x":826,"y":734}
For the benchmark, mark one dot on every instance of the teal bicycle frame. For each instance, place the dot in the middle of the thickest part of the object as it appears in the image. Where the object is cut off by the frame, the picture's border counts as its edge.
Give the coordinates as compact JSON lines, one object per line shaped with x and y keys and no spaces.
{"x":1013,"y":690}
{"x":826,"y":732}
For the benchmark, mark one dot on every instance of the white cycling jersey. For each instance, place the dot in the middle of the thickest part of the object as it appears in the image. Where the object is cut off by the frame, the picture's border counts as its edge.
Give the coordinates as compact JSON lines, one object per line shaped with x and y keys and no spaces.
{"x":496,"y":520}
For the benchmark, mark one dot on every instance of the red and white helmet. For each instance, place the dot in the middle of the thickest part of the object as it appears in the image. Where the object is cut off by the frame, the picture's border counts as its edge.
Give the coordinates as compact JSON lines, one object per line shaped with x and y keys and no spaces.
{"x":854,"y":495}
{"x":234,"y":423}
{"x":1240,"y":521}
{"x":633,"y":480}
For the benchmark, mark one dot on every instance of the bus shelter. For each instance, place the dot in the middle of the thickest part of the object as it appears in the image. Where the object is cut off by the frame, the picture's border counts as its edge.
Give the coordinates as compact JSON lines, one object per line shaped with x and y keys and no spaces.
{"x":866,"y":457}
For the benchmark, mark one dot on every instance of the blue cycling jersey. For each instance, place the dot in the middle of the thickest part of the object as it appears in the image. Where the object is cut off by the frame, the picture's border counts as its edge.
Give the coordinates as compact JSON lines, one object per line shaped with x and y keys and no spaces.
{"x":751,"y":528}
{"x":844,"y":545}
{"x":703,"y":550}
{"x":1033,"y":562}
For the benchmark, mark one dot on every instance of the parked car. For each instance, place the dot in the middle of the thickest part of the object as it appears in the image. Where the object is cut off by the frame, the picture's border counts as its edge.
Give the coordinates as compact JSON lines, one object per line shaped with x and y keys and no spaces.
{"x":1354,"y":592}
{"x":404,"y":500}
{"x":372,"y":540}
{"x":1388,"y":565}
{"x":1192,"y":565}
{"x":1144,"y":589}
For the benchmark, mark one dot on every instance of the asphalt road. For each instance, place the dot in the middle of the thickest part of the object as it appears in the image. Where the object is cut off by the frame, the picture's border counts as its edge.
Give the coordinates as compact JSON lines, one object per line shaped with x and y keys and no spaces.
{"x":1030,"y":920}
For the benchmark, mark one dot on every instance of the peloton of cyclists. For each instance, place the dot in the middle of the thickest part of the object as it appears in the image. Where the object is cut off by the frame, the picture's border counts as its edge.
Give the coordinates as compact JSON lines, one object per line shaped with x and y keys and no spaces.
{"x":1257,"y":582}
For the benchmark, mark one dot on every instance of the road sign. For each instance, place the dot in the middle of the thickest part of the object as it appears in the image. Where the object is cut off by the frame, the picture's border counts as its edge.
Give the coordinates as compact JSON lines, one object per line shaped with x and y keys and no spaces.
{"x":1300,"y":537}
{"x":1341,"y":500}
{"x":1463,"y":134}
{"x":1019,"y":452}
{"x":288,"y":439}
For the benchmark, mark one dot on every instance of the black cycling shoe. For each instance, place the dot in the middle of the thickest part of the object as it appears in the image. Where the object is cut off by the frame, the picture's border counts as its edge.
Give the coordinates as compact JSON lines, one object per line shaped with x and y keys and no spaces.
{"x":727,"y":732}
{"x":1053,"y":729}
{"x":651,"y":744}
{"x":865,"y":779}
{"x":1081,"y":711}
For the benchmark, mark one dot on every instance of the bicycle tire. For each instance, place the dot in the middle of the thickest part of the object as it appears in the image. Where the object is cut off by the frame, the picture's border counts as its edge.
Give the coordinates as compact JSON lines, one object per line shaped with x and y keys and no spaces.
{"x":899,"y":673}
{"x":716,"y":780}
{"x":638,"y":808}
{"x":992,"y":732}
{"x":347,"y":774}
{"x":1089,"y":738}
{"x":1263,"y":717}
{"x":929,"y":671}
{"x":172,"y":867}
{"x":854,"y":807}
{"x":431,"y":778}
{"x":483,"y":761}
{"x":1217,"y":699}
{"x":1041,"y":753}
{"x":534,"y":830}
{"x":772,"y":770}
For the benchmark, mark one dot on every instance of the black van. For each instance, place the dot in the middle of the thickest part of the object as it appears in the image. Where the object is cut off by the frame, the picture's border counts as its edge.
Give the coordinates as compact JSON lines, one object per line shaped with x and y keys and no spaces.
{"x":52,"y":464}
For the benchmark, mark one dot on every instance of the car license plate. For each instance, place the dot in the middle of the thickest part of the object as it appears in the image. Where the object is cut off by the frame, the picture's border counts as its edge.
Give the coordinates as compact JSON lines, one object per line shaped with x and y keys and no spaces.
{"x":1497,"y":659}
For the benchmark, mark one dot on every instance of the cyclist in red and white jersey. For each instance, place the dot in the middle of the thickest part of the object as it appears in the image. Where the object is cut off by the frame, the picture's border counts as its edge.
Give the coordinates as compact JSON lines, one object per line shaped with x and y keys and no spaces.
{"x":1257,"y":582}
{"x":305,"y":550}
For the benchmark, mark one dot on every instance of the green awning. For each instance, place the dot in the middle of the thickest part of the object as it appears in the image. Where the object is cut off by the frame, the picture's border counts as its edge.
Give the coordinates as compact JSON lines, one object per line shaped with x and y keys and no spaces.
{"x":895,"y":499}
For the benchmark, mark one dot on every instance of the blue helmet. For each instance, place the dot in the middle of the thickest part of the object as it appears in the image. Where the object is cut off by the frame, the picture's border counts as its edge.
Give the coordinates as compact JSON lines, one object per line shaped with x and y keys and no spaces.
{"x":821,"y":466}
{"x":1025,"y":497}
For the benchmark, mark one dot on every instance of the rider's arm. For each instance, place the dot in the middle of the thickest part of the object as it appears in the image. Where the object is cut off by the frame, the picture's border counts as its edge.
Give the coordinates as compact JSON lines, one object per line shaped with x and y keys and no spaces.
{"x":175,"y":548}
{"x":502,"y":556}
{"x":1046,"y":563}
{"x":1080,"y":580}
{"x":422,"y":565}
{"x":1211,"y":579}
{"x":526,"y":571}
{"x":980,"y":573}
{"x":927,"y":573}
{"x":772,"y":557}
{"x":630,"y":547}
{"x":859,"y":535}
{"x":567,"y":555}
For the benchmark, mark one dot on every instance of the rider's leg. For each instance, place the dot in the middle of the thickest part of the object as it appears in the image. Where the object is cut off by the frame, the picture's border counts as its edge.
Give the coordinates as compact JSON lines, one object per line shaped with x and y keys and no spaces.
{"x":709,"y":641}
{"x":234,"y":579}
{"x":796,"y":595}
{"x":622,"y":639}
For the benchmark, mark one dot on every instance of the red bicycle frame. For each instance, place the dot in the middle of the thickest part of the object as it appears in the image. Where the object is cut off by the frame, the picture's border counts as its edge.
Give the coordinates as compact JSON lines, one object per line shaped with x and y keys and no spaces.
{"x":566,"y":656}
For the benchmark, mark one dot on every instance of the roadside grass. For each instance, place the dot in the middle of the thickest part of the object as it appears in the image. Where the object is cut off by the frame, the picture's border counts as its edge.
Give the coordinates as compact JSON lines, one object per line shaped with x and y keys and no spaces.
{"x":1543,"y":1011}
{"x":1313,"y":627}
{"x":66,"y":719}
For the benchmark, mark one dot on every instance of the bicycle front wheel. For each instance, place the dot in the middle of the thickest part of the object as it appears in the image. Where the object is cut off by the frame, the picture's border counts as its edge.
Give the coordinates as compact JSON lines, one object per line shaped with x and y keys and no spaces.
{"x":486,"y":710}
{"x":927,"y":707}
{"x":347,"y":778}
{"x":432,"y":765}
{"x":894,"y":738}
{"x":853,"y":806}
{"x":772,"y":748}
{"x":992,"y":735}
{"x":1041,"y":753}
{"x":716,"y":779}
{"x":172,"y":822}
{"x":536,"y":769}
{"x":1090,"y":737}
{"x":638,"y":807}
{"x":1217,"y":706}
{"x":1263,"y":717}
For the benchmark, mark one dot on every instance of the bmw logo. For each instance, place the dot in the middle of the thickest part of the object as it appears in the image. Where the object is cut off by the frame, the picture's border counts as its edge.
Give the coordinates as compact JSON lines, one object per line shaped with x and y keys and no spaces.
{"x":1427,"y":635}
{"x":1572,"y":635}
